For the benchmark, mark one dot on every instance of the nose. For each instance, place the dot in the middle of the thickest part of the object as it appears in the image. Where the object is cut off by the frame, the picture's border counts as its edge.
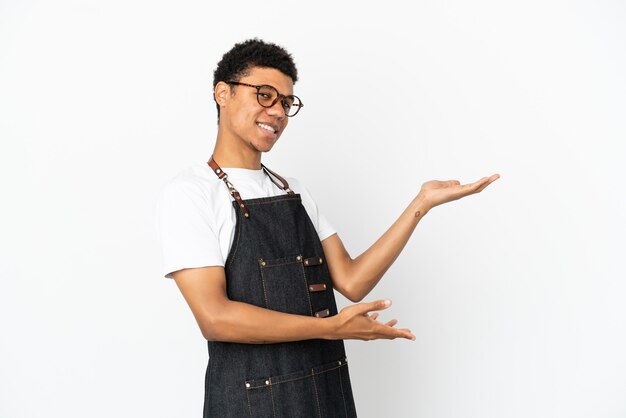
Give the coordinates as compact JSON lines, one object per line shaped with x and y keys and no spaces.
{"x":277,"y":110}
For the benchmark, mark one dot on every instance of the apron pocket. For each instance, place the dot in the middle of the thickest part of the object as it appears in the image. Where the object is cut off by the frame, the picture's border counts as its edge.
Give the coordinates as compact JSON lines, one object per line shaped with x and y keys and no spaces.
{"x":322,"y":391}
{"x":285,"y":288}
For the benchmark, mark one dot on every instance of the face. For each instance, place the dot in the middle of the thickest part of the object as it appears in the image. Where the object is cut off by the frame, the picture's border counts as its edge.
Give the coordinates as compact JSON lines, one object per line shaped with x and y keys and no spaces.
{"x":243,"y":119}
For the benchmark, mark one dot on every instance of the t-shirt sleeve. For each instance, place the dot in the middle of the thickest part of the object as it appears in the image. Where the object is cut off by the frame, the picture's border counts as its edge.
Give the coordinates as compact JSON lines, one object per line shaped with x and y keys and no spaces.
{"x":322,"y":226}
{"x":185,"y":229}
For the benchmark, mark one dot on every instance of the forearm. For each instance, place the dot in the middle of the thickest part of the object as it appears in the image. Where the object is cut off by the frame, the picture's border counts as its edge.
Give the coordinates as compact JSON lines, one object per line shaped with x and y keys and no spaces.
{"x":244,"y":323}
{"x":363,"y":273}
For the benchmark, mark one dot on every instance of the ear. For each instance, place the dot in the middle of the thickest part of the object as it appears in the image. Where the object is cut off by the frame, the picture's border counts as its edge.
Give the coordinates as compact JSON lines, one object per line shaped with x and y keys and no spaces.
{"x":221,"y":93}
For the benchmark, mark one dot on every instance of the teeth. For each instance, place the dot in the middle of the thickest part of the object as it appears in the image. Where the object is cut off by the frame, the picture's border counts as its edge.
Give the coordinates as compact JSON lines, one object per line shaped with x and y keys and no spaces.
{"x":267,"y":127}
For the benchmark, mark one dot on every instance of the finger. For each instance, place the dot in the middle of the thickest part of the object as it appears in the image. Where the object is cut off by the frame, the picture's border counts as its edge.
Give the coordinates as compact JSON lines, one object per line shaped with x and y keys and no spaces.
{"x":390,"y":333}
{"x":374,"y":316}
{"x":377,"y":305}
{"x":392,"y":323}
{"x":481,"y":188}
{"x":403,"y":333}
{"x":488,"y":182}
{"x":473,"y":187}
{"x":387,"y":330}
{"x":485,"y":181}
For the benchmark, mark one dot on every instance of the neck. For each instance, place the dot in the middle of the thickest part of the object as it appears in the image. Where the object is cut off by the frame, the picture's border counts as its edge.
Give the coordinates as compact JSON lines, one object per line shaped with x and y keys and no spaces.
{"x":228,"y":154}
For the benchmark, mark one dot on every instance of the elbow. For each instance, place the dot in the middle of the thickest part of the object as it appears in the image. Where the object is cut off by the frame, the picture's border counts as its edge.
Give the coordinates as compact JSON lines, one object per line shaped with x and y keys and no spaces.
{"x":210,"y":329}
{"x":212,"y":326}
{"x":355,"y":298}
{"x":343,"y":283}
{"x":352,"y":294}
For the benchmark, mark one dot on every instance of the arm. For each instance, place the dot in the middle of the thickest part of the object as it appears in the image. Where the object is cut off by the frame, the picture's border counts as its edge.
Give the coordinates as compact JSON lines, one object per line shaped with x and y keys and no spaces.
{"x":355,"y":278}
{"x":221,"y":319}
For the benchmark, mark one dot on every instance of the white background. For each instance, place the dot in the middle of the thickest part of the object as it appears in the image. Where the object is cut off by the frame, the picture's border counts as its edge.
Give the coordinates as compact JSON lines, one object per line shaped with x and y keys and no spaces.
{"x":516,"y":295}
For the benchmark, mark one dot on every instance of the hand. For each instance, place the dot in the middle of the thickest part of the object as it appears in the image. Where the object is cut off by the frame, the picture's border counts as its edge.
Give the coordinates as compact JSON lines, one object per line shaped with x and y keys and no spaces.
{"x":355,"y":323}
{"x":435,"y":192}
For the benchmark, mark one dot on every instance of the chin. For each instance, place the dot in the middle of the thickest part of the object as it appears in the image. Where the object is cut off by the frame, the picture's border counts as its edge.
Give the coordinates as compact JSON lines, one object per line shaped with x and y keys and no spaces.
{"x":263,"y":146}
{"x":264,"y":149}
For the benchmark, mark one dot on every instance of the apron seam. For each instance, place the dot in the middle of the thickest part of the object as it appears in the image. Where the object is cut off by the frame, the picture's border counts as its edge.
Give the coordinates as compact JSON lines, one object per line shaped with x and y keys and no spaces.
{"x":264,"y":291}
{"x":317,"y":398}
{"x":306,"y":288}
{"x":306,"y":376}
{"x":249,"y":406}
{"x":272,"y":398}
{"x":345,"y":408}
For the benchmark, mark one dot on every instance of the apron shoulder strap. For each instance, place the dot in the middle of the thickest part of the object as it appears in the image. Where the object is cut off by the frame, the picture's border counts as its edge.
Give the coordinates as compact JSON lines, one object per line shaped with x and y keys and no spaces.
{"x":284,"y":186}
{"x":233,"y":192}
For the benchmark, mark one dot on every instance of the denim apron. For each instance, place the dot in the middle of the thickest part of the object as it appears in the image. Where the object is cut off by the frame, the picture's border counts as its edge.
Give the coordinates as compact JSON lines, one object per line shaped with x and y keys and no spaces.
{"x":276,"y":262}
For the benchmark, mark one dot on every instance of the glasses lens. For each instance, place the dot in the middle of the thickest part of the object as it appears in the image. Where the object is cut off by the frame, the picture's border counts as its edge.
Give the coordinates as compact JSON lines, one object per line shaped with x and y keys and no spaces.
{"x":291,"y":105}
{"x":267,"y":95}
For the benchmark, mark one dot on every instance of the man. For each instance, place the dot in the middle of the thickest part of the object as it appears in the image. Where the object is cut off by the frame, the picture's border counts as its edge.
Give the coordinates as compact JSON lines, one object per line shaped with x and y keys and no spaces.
{"x":257,"y":263}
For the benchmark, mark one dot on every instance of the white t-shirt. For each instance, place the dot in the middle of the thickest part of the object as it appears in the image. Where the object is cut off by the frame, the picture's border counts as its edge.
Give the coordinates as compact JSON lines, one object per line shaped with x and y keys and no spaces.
{"x":195,"y":219}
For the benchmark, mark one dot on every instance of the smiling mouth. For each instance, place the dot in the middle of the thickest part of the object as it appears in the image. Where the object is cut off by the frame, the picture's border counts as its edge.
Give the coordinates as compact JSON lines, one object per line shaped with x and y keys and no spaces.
{"x":267,"y":127}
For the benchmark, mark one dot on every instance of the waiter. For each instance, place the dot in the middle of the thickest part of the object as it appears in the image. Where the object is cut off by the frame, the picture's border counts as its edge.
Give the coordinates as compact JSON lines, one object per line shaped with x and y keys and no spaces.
{"x":257,"y":262}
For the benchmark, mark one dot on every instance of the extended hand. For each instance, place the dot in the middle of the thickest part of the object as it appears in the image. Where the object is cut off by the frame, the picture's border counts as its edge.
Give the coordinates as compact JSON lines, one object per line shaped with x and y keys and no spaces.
{"x":354,"y":322}
{"x":435,"y":192}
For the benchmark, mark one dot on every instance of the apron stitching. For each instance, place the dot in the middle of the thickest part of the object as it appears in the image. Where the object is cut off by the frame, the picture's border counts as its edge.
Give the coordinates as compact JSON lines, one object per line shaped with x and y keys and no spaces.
{"x":306,"y":287}
{"x":345,"y":408}
{"x":317,"y":400}
{"x":264,"y":292}
{"x":279,"y":198}
{"x":249,"y":407}
{"x":313,"y":373}
{"x":272,"y":398}
{"x":282,"y":264}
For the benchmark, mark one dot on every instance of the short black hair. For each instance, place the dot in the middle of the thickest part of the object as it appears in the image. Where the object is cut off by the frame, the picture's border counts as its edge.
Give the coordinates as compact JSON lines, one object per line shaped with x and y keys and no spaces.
{"x":251,"y":53}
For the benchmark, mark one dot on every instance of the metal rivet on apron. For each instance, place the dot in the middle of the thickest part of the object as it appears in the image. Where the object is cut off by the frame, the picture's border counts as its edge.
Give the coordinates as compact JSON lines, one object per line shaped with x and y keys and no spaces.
{"x":299,"y":258}
{"x":247,"y":384}
{"x":319,"y":287}
{"x":262,"y":262}
{"x":339,"y":362}
{"x":267,"y":382}
{"x":306,"y":262}
{"x":246,"y":215}
{"x":218,"y":171}
{"x":323,"y":314}
{"x":321,"y":261}
{"x":241,"y":205}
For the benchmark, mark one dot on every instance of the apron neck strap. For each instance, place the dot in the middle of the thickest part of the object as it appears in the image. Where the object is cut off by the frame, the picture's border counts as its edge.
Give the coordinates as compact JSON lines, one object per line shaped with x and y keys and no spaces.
{"x":284,"y":186}
{"x":233,"y":192}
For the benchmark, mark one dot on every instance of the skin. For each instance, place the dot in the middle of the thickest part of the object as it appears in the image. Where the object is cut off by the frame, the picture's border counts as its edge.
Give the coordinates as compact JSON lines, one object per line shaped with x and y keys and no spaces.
{"x":240,"y":143}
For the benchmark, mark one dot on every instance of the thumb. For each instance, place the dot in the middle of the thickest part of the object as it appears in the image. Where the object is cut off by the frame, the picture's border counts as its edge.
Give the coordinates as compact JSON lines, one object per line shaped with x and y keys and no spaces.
{"x":377,"y":305}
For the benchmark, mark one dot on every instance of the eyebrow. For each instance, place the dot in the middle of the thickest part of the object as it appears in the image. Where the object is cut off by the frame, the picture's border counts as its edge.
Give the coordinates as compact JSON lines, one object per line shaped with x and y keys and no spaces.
{"x":272,"y":86}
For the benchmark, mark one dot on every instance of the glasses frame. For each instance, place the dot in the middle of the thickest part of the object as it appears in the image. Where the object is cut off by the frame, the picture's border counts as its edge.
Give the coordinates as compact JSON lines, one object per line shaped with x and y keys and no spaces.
{"x":279,"y":96}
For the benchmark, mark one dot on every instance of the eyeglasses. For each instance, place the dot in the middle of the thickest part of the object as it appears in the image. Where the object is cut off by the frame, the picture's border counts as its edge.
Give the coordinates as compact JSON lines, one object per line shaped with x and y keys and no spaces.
{"x":267,"y":96}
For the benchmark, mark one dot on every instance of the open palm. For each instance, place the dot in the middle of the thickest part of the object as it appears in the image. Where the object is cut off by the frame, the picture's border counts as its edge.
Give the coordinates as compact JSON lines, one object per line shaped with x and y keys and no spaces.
{"x":436,"y":192}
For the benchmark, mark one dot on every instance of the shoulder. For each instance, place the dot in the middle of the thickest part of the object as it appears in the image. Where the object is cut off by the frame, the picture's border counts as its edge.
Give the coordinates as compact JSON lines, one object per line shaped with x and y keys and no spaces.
{"x":298,"y":187}
{"x":196,"y":183}
{"x":194,"y":193}
{"x":305,"y":195}
{"x":321,"y":224}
